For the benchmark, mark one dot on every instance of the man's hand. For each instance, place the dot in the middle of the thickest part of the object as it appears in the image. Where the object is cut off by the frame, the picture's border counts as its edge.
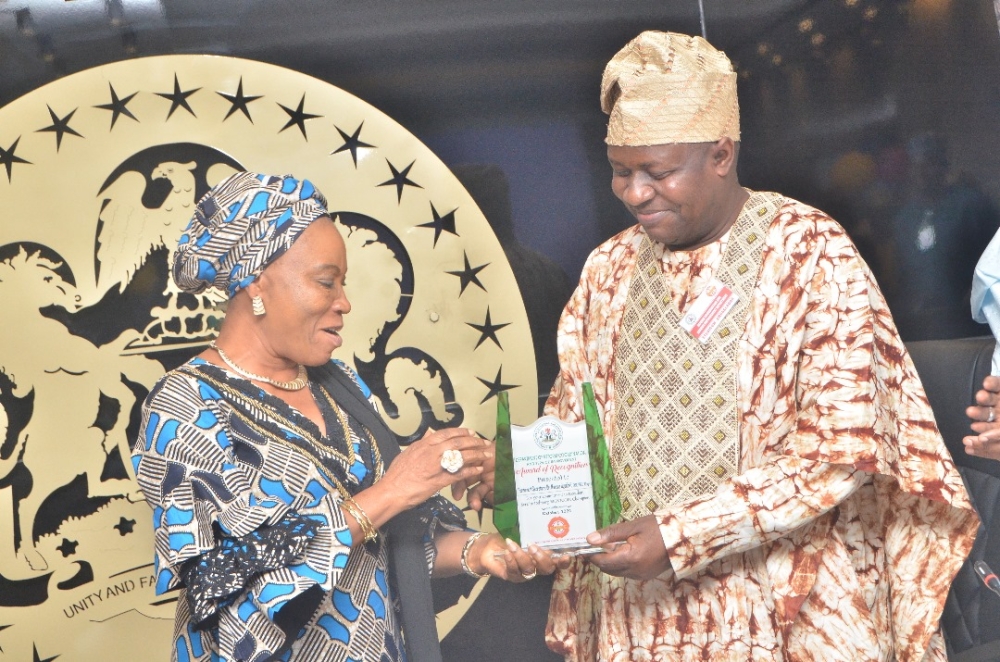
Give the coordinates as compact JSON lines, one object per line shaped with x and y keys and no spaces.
{"x":985,"y":421}
{"x":635,"y":548}
{"x":984,"y":414}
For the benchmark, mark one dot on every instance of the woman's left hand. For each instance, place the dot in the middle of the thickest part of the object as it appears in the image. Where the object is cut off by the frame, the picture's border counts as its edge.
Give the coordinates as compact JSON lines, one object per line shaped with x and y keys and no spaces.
{"x":506,"y":560}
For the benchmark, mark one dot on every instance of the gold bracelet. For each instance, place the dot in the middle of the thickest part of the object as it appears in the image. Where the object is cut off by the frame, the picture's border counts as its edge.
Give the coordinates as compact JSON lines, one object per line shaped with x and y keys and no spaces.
{"x":358,"y":513}
{"x":465,"y":555}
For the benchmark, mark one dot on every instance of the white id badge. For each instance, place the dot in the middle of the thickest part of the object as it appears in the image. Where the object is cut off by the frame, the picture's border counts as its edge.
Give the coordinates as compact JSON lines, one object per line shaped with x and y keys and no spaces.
{"x":708,"y":310}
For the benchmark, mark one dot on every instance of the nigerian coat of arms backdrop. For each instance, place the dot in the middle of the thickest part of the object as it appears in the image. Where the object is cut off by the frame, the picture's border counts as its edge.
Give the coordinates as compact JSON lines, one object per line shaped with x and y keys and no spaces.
{"x":99,"y":172}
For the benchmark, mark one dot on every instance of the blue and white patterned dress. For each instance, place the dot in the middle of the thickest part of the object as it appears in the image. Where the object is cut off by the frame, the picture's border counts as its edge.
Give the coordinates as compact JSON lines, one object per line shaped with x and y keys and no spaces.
{"x":245,"y":493}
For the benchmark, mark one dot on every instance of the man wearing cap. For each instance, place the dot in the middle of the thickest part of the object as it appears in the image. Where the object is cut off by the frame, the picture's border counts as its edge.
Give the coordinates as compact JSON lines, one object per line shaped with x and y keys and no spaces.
{"x":785,"y":492}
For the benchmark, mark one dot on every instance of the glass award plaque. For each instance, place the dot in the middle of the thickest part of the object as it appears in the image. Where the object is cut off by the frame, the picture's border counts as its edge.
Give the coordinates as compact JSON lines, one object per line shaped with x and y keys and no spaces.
{"x":553,"y":483}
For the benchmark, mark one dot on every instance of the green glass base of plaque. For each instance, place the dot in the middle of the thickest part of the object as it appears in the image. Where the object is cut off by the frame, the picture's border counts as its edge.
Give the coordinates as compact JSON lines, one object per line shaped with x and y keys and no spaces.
{"x":505,"y":517}
{"x":607,"y":503}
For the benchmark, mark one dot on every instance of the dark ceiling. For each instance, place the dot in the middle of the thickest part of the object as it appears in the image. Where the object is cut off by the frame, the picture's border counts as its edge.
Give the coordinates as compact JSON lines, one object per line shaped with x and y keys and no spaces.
{"x":460,"y":58}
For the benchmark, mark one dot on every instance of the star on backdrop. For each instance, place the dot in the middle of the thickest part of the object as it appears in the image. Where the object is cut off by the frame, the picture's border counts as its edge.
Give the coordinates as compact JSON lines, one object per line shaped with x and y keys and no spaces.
{"x":68,"y":547}
{"x":400,"y":179}
{"x":351,"y":143}
{"x":60,"y":126}
{"x":8,"y":158}
{"x":469,"y":275}
{"x":488,"y":330}
{"x":239,"y":102}
{"x":440,"y":223}
{"x":38,"y":659}
{"x":124,"y":526}
{"x":298,"y":116}
{"x":118,"y":106}
{"x":178,"y":98}
{"x":496,"y":387}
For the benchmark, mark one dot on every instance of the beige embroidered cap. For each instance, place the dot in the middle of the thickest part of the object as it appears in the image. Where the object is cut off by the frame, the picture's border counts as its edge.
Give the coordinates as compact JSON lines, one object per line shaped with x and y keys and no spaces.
{"x":664,"y":87}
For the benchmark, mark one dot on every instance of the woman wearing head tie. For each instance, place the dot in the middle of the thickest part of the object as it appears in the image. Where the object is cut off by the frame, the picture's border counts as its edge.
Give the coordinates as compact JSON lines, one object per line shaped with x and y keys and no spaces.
{"x":281,"y":503}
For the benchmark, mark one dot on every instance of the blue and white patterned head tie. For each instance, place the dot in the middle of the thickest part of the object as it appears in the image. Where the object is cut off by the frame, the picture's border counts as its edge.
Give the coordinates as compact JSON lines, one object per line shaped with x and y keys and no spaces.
{"x":243,"y":224}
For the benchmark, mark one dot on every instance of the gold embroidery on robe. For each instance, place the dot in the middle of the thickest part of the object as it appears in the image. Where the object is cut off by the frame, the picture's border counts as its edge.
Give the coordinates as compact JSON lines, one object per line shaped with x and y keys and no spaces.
{"x":677,"y":418}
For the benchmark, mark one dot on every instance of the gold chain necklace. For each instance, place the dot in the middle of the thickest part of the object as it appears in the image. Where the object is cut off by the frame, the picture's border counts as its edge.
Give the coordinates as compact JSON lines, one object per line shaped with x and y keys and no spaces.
{"x":351,"y":438}
{"x":314,"y":448}
{"x":263,"y":408}
{"x":296,"y":384}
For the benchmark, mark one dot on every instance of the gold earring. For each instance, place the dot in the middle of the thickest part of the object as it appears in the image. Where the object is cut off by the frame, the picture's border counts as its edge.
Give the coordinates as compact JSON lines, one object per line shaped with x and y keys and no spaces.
{"x":258,"y":306}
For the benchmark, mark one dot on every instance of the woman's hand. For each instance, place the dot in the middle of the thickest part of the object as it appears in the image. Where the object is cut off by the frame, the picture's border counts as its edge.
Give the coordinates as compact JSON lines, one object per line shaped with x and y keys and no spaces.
{"x":416,"y":474}
{"x":506,"y":560}
{"x":480,"y":488}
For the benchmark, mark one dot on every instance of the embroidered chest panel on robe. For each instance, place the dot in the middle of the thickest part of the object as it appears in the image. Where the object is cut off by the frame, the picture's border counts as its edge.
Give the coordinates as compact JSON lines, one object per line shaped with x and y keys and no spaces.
{"x":676,"y":425}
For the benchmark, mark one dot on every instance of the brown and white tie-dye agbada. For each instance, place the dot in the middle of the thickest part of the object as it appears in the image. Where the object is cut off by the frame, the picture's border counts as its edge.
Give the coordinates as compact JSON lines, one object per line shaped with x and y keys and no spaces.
{"x":842,"y":530}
